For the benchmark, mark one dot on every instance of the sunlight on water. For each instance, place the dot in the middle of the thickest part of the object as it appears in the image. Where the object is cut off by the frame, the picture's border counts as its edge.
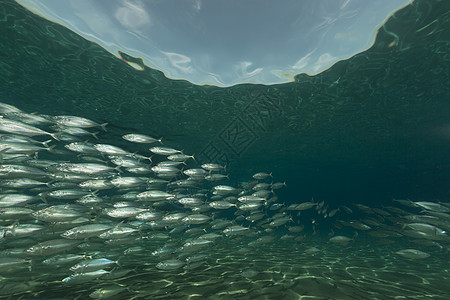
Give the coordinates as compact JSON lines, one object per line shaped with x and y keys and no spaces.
{"x":224,"y":43}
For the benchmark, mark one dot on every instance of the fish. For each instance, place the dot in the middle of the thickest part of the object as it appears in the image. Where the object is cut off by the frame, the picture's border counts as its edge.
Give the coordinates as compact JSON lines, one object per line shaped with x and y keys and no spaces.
{"x":93,"y":265}
{"x":432,"y":206}
{"x":164,"y":151}
{"x":140,"y":138}
{"x":74,"y":121}
{"x":86,"y":231}
{"x":84,"y":277}
{"x":261,"y":175}
{"x":340,"y":240}
{"x":51,"y":247}
{"x":107,"y":292}
{"x":412,"y":254}
{"x":170,"y":264}
{"x":16,"y":127}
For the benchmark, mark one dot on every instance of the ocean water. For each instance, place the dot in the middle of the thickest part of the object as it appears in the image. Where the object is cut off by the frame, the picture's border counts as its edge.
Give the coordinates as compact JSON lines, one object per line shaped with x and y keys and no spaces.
{"x":352,"y":140}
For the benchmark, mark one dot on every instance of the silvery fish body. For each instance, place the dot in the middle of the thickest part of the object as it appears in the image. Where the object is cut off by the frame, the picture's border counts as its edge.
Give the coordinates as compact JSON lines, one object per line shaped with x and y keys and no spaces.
{"x":428,"y":229}
{"x":21,"y":183}
{"x":261,"y":186}
{"x":169,"y":163}
{"x":51,"y":247}
{"x":120,"y":182}
{"x":125,"y":161}
{"x":165,"y":170}
{"x":235,"y":230}
{"x":413,"y":254}
{"x":262,"y":175}
{"x":73,"y":121}
{"x":170,"y":264}
{"x":15,"y":138}
{"x":92,"y":265}
{"x":196,"y":219}
{"x":153,"y":195}
{"x":82,"y":168}
{"x":8,"y":108}
{"x":224,"y":190}
{"x":23,"y":230}
{"x":341,"y":240}
{"x":195,"y":172}
{"x":190,"y":201}
{"x":110,"y":150}
{"x":125,"y":212}
{"x":7,"y":200}
{"x":180,"y":157}
{"x":216,"y":177}
{"x":28,"y":118}
{"x":280,"y":221}
{"x":20,"y":128}
{"x":86,"y":231}
{"x":118,"y":232}
{"x":14,"y":212}
{"x":84,"y":277}
{"x":56,"y":214}
{"x":82,"y":147}
{"x":251,"y":199}
{"x":96,"y":184}
{"x":10,"y":170}
{"x":75,"y":131}
{"x":164,"y":150}
{"x":262,"y":193}
{"x":107,"y":292}
{"x":65,"y":194}
{"x":212,"y":167}
{"x":12,"y":264}
{"x":63,"y":259}
{"x":433,"y":206}
{"x":249,"y":206}
{"x":21,"y":148}
{"x":220,"y":204}
{"x":140,"y":138}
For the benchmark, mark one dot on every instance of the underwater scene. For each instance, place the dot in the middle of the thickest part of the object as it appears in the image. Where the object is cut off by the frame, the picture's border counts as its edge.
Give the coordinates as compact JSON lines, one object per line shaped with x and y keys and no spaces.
{"x":117,"y":182}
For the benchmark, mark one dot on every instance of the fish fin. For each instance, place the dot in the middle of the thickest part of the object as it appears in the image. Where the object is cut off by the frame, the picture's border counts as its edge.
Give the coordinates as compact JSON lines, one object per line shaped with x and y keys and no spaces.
{"x":54,"y":136}
{"x":4,"y":150}
{"x":44,"y":197}
{"x":120,"y":224}
{"x":50,"y":149}
{"x":103,"y":126}
{"x":12,"y":228}
{"x":45,"y":143}
{"x":118,"y":261}
{"x":94,"y":134}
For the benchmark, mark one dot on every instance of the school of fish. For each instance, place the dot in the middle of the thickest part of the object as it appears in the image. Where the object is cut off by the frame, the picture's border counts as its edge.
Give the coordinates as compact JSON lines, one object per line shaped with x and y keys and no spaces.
{"x":76,"y":210}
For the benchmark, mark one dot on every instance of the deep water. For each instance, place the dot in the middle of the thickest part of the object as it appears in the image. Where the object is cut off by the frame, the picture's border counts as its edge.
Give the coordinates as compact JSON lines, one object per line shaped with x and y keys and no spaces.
{"x":371,"y":129}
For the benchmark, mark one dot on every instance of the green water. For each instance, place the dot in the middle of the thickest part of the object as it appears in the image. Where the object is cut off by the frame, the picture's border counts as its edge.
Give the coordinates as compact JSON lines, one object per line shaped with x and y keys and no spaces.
{"x":371,"y":128}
